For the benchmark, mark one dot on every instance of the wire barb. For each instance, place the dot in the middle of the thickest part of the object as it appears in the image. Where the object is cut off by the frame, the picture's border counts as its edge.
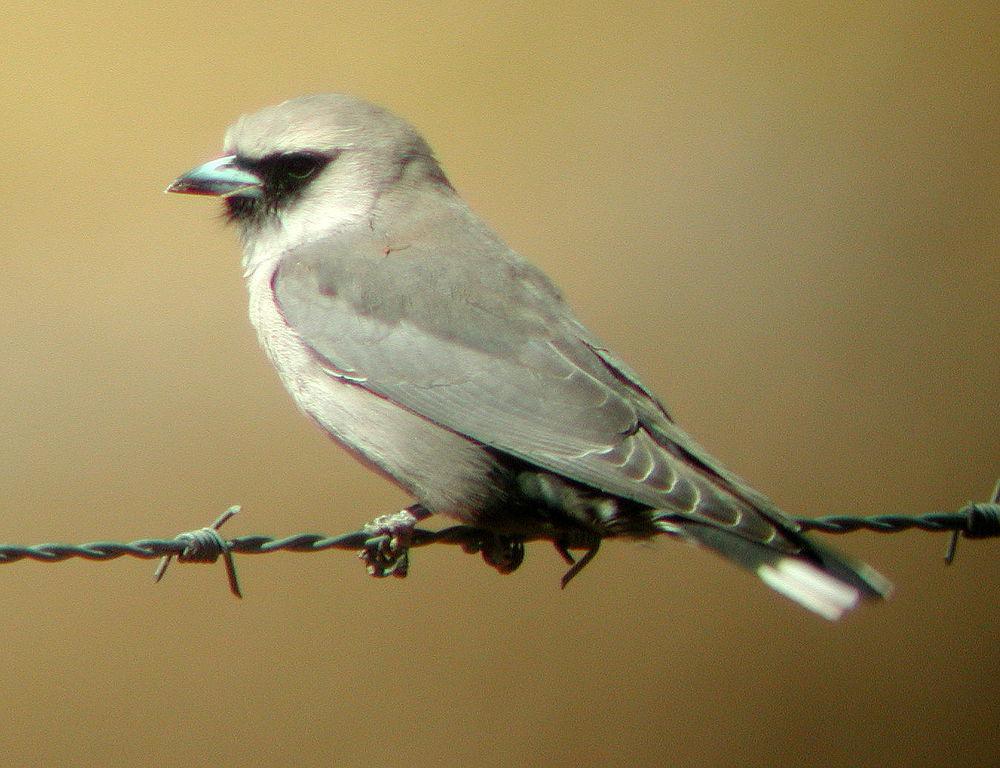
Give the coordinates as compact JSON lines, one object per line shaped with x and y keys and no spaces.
{"x":204,"y":546}
{"x":982,"y":521}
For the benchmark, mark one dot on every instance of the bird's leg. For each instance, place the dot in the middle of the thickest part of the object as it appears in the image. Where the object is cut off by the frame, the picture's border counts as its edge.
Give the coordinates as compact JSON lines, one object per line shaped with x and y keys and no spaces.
{"x":562,"y":547}
{"x":564,"y":552}
{"x":386,"y":550}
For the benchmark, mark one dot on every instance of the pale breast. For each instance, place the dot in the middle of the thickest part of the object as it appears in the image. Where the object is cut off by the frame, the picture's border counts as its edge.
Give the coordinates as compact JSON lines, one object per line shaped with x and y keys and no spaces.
{"x":445,"y":471}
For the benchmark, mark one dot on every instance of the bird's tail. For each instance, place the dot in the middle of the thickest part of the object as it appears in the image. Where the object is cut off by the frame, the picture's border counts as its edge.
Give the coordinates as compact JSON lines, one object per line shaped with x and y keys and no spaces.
{"x":815,"y":576}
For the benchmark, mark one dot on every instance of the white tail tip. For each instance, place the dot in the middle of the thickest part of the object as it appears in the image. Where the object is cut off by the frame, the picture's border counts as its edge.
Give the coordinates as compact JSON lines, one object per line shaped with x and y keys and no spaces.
{"x":810,"y":587}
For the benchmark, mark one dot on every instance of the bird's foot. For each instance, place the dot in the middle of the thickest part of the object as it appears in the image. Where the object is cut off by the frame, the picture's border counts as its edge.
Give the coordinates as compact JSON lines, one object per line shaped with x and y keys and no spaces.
{"x":505,"y":553}
{"x":386,"y":551}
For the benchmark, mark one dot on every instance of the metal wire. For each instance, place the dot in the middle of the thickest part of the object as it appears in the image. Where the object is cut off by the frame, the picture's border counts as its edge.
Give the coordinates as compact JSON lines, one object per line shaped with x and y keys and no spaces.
{"x":205,"y":545}
{"x":976,"y":521}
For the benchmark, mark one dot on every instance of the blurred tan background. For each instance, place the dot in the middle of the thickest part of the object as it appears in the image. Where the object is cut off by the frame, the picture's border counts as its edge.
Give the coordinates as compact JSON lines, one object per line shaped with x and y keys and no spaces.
{"x":786,"y":218}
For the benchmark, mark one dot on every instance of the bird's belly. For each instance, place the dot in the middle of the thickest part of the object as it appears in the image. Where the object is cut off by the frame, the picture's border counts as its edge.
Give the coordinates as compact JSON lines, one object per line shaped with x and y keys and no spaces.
{"x":445,"y":471}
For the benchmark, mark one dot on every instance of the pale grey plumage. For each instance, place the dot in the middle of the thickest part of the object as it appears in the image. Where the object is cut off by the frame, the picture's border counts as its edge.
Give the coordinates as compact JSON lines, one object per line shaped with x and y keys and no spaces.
{"x":408,"y":330}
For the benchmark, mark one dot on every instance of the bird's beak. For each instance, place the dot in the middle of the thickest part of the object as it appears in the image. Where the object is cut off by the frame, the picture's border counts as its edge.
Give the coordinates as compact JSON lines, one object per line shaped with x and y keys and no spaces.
{"x":220,"y":177}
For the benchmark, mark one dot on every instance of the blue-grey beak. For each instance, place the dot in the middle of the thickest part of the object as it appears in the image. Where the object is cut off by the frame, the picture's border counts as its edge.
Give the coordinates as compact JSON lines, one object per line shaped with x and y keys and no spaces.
{"x":220,"y":177}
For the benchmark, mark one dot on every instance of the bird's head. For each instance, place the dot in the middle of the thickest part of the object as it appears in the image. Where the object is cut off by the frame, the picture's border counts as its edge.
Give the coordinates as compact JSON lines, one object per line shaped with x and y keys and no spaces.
{"x":310,"y":166}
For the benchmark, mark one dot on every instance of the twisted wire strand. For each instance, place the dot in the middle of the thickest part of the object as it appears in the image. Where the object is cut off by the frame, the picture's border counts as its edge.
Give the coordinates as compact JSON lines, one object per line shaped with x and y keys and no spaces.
{"x":205,"y":545}
{"x":254,"y":544}
{"x":975,"y":521}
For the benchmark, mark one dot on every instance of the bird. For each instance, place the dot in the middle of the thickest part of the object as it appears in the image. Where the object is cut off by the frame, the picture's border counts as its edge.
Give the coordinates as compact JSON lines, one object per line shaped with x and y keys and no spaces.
{"x":409,"y":331}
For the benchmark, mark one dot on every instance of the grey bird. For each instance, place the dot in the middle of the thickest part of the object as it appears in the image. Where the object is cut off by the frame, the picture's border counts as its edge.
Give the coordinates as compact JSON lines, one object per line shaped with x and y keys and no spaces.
{"x":414,"y":336}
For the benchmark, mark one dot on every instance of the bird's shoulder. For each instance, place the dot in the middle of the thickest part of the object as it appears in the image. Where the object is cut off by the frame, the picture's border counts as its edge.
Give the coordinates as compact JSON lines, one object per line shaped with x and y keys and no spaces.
{"x":437,"y":267}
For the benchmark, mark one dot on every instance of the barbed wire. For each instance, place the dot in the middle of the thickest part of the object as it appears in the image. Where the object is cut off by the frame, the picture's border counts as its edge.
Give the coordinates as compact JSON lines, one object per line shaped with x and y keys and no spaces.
{"x":206,"y":545}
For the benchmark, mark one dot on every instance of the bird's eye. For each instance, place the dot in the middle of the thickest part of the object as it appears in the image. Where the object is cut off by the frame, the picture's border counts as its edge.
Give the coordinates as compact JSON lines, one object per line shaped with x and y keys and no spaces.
{"x":301,"y":166}
{"x":286,"y":174}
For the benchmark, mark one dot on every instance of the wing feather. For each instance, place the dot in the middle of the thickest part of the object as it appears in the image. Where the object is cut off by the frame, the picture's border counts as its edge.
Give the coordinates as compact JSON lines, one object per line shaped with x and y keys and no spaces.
{"x":484,"y":346}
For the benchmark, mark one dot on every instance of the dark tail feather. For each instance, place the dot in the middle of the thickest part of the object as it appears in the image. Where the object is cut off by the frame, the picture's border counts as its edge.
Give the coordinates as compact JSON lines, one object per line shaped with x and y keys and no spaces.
{"x":817,"y":577}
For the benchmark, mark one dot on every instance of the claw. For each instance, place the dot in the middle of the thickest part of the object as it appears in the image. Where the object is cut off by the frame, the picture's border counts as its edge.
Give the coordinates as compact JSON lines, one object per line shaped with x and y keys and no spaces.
{"x":504,"y":553}
{"x":386,"y":553}
{"x":385,"y":556}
